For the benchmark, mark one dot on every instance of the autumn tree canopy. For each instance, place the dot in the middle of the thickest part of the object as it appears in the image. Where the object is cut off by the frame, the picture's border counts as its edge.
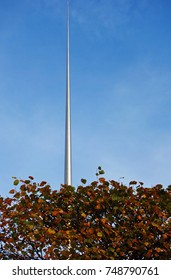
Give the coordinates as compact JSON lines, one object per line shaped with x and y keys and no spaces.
{"x":105,"y":220}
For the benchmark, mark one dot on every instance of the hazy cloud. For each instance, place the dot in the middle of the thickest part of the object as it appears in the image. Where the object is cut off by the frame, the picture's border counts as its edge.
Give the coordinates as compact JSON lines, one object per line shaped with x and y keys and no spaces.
{"x":111,"y":16}
{"x":47,"y":7}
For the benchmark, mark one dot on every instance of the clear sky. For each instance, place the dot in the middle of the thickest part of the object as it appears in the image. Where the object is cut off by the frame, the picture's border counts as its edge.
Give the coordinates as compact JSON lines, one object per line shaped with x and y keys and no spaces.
{"x":120,"y":86}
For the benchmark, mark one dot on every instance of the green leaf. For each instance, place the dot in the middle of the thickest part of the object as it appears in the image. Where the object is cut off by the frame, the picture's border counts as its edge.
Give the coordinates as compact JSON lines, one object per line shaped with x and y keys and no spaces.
{"x":16,"y":182}
{"x":115,"y":197}
{"x":84,"y":181}
{"x":27,"y":182}
{"x":17,"y":195}
{"x":169,"y":188}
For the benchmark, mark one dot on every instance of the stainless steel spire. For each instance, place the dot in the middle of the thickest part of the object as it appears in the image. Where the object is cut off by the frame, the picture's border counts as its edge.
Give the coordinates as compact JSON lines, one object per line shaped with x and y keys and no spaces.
{"x":68,"y":152}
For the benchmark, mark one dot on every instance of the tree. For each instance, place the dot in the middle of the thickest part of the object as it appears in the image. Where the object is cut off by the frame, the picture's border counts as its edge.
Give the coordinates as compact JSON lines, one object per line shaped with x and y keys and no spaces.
{"x":104,"y":220}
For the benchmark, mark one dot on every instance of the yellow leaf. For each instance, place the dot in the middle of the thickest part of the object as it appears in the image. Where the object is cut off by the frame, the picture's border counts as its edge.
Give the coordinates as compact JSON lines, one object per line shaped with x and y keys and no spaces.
{"x":31,"y":227}
{"x":157,"y":226}
{"x":83,"y":215}
{"x":104,"y":220}
{"x":61,"y":211}
{"x":99,"y":234}
{"x":51,"y":231}
{"x":158,"y":250}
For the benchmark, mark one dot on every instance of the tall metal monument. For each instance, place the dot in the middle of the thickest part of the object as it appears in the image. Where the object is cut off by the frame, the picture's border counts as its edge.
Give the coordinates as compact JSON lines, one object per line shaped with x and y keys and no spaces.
{"x":68,"y":150}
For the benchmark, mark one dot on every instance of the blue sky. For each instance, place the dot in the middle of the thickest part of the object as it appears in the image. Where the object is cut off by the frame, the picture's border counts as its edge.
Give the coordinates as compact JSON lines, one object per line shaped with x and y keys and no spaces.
{"x":120,"y":86}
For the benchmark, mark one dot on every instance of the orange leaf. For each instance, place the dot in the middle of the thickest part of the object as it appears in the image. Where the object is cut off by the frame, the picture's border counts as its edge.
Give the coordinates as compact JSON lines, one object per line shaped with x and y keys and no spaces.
{"x":12,"y":191}
{"x":40,"y":200}
{"x":84,"y":215}
{"x":102,"y":180}
{"x":164,"y":236}
{"x":42,"y":239}
{"x":55,"y":213}
{"x":90,"y":230}
{"x":43,"y":183}
{"x":158,"y":250}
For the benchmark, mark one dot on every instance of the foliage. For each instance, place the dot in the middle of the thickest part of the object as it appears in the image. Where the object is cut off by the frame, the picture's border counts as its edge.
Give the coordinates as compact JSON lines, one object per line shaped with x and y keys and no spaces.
{"x":104,"y":220}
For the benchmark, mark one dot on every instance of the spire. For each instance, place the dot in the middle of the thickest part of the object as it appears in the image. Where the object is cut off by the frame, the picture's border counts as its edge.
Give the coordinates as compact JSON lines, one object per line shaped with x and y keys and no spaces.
{"x":68,"y":160}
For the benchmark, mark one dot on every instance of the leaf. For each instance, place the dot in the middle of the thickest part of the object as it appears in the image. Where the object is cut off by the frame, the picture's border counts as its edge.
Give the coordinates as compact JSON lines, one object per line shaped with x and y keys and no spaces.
{"x":43,"y":183}
{"x":17,"y":195}
{"x":31,"y":177}
{"x":12,"y":191}
{"x":23,"y":188}
{"x":122,"y":254}
{"x":158,"y":250}
{"x":84,"y":215}
{"x":30,"y":227}
{"x":16,"y":182}
{"x":114,"y":222}
{"x":133,"y":183}
{"x":98,"y":206}
{"x":159,"y":186}
{"x":27,"y":182}
{"x":90,"y":230}
{"x":102,"y":180}
{"x":40,"y":200}
{"x":51,"y":231}
{"x":169,"y":188}
{"x":104,"y":220}
{"x":157,"y":226}
{"x":164,"y":236}
{"x":55,"y":213}
{"x":84,"y":181}
{"x":115,"y":197}
{"x":99,"y":234}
